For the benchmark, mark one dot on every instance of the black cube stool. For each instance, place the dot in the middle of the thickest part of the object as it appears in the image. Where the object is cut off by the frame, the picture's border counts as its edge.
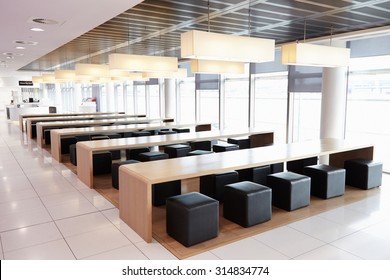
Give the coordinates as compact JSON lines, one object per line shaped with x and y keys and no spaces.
{"x":101,"y":163}
{"x":224,"y":147}
{"x":166,"y":132}
{"x":133,"y":153}
{"x":247,"y":203}
{"x":192,"y":218}
{"x":66,"y":142}
{"x":276,"y":167}
{"x":151,"y":156}
{"x":213,"y":185}
{"x":290,"y":190}
{"x":362,"y":173}
{"x":141,"y":133}
{"x":297,"y":166}
{"x":181,"y":130}
{"x":326,"y":181}
{"x":204,"y":145}
{"x":177,"y":150}
{"x":84,"y":137}
{"x":73,"y":154}
{"x":242,"y":142}
{"x":161,"y":191}
{"x":256,"y":174}
{"x":199,"y":152}
{"x":115,"y":171}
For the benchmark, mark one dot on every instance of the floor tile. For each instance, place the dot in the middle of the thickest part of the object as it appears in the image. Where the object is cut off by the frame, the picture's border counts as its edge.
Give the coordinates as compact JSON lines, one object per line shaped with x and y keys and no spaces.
{"x":365,"y":246}
{"x":30,"y":236}
{"x":82,"y":224}
{"x":297,"y":243}
{"x":70,"y":209}
{"x":24,"y":219}
{"x":54,"y":250}
{"x":203,"y":256}
{"x":17,"y":195}
{"x":248,"y":249}
{"x":98,"y":241}
{"x":380,"y":230}
{"x":155,"y":251}
{"x":327,"y":252}
{"x":129,"y":252}
{"x":322,"y":229}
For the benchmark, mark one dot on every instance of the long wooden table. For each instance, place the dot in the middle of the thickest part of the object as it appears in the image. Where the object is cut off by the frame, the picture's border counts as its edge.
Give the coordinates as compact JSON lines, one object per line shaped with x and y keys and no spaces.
{"x":41,"y":127}
{"x":86,"y":149}
{"x":32,"y":122}
{"x":50,"y":115}
{"x":57,"y":134}
{"x":136,"y":180}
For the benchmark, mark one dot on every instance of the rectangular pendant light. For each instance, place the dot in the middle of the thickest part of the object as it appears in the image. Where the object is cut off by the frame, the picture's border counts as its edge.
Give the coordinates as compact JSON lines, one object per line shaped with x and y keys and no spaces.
{"x":217,"y":67}
{"x":142,"y":63}
{"x":65,"y":75}
{"x":181,"y":73}
{"x":91,"y":70}
{"x":315,"y":55}
{"x":37,"y":79}
{"x":215,"y":46}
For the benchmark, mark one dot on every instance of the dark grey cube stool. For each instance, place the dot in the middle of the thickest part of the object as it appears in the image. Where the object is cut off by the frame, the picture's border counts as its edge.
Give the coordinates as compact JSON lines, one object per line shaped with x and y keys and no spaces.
{"x":101,"y":163}
{"x":127,"y":134}
{"x":141,"y":133}
{"x":166,"y":132}
{"x":115,"y":171}
{"x":247,"y":203}
{"x":151,"y":156}
{"x":133,"y":153}
{"x":83,"y":137}
{"x":297,"y":166}
{"x":99,"y":137}
{"x":181,"y":130}
{"x":161,"y":191}
{"x":204,"y":145}
{"x":277,"y":167}
{"x":242,"y":142}
{"x":290,"y":190}
{"x":73,"y":154}
{"x":192,"y":218}
{"x":66,"y":142}
{"x":326,"y":181}
{"x":213,"y":185}
{"x":256,"y":174}
{"x":177,"y":150}
{"x":224,"y":147}
{"x":199,"y":152}
{"x":362,"y":173}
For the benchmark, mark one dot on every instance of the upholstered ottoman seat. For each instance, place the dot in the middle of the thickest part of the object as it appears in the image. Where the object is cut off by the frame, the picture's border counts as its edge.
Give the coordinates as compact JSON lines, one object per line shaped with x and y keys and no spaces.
{"x":177,"y":150}
{"x":151,"y":156}
{"x":362,"y":173}
{"x":242,"y":142}
{"x":101,"y":162}
{"x":213,"y":185}
{"x":133,"y":153}
{"x":201,"y":145}
{"x":73,"y":154}
{"x":256,"y":174}
{"x":115,"y":171}
{"x":224,"y":147}
{"x":199,"y":152}
{"x":192,"y":218}
{"x":141,"y":133}
{"x":326,"y":181}
{"x":181,"y":130}
{"x":247,"y":203}
{"x":290,"y":191}
{"x":297,"y":166}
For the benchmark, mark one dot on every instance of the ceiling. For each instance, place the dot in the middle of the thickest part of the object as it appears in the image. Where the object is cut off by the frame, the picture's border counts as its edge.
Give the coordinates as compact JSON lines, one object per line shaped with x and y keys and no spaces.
{"x":153,"y":27}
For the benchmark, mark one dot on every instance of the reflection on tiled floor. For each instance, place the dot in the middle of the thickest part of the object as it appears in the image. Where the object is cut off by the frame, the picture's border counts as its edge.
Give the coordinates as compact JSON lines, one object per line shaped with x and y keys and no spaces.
{"x":47,"y":213}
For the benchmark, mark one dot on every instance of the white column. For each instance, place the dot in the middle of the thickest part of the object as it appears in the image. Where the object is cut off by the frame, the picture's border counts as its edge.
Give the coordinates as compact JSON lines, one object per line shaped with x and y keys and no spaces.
{"x":333,"y":104}
{"x":170,"y":98}
{"x":110,"y":96}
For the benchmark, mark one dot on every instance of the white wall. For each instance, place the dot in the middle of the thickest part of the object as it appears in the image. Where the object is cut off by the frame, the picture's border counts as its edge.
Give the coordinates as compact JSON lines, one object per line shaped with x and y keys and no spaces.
{"x":6,"y":96}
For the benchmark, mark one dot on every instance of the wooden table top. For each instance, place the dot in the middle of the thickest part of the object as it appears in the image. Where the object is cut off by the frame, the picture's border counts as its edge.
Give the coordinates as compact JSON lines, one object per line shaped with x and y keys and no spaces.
{"x":157,"y":140}
{"x":189,"y":167}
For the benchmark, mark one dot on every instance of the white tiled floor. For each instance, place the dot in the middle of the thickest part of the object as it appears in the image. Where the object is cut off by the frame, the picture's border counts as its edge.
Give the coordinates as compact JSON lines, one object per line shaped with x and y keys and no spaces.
{"x":47,"y":213}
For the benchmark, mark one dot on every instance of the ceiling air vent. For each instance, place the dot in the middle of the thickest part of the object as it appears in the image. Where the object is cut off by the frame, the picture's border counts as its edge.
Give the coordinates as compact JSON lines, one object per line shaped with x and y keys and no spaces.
{"x":44,"y":21}
{"x":22,"y":42}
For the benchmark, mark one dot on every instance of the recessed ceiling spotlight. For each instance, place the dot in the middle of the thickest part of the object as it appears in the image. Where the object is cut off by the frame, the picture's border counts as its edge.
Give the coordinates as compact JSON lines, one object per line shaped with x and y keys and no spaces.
{"x":22,"y":42}
{"x":36,"y":29}
{"x":20,"y":48}
{"x":8,"y":53}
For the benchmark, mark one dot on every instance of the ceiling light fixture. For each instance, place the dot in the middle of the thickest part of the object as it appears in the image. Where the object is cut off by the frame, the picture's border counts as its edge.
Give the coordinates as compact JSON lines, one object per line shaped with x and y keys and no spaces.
{"x":217,"y":67}
{"x":36,"y":29}
{"x":91,"y":70}
{"x":142,"y":63}
{"x":181,"y":73}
